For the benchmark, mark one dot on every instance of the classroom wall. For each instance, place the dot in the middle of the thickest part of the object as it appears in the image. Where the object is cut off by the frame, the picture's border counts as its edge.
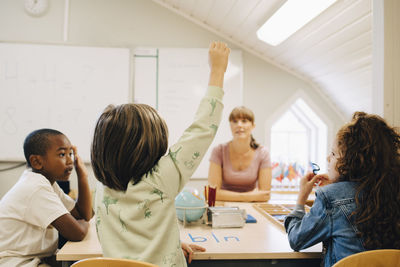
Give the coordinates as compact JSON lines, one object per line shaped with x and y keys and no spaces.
{"x":134,"y":23}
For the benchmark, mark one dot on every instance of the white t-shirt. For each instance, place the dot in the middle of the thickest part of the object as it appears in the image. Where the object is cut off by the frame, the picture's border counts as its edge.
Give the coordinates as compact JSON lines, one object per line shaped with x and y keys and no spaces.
{"x":26,"y":214}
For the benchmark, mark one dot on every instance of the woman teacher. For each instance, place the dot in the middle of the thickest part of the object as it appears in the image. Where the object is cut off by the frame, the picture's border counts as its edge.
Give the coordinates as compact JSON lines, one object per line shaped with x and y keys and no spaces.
{"x":241,"y":168}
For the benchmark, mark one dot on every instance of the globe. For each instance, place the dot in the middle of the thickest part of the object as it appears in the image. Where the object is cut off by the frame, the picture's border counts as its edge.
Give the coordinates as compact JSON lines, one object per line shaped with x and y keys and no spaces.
{"x":190,"y":204}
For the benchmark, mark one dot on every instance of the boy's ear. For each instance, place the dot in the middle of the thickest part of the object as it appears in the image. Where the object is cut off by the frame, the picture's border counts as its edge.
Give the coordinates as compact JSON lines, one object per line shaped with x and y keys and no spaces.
{"x":36,"y":162}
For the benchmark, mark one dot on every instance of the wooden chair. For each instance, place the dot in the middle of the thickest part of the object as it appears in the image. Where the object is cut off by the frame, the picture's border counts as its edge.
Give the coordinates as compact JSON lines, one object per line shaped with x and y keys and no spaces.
{"x":372,"y":258}
{"x":111,"y":262}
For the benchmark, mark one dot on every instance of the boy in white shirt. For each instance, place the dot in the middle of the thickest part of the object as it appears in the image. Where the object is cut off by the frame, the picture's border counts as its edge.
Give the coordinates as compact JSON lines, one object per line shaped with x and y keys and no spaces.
{"x":36,"y":209}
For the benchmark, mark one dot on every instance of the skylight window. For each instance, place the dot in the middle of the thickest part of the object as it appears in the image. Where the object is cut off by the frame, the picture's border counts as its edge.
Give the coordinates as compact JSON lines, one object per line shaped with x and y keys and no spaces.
{"x":292,"y":16}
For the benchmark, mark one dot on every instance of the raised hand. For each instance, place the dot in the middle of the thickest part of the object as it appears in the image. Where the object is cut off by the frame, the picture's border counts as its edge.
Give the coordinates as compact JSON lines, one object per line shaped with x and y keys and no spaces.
{"x":218,"y":55}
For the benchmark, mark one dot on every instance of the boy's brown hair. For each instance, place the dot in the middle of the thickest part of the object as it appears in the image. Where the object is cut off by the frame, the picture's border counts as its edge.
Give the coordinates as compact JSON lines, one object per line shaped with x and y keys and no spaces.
{"x":128,"y":142}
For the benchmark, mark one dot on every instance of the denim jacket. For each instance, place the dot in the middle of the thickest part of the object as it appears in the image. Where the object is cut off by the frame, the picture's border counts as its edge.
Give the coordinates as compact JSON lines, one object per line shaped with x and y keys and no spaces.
{"x":329,"y":222}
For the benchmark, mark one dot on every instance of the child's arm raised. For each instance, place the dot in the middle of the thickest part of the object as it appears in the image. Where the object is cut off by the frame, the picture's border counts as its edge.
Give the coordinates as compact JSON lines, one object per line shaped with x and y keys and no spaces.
{"x":83,"y":208}
{"x":186,"y":154}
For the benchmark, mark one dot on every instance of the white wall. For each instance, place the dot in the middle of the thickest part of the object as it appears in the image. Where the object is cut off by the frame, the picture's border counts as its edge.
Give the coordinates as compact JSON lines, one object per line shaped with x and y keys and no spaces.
{"x":386,"y":57}
{"x":132,"y":23}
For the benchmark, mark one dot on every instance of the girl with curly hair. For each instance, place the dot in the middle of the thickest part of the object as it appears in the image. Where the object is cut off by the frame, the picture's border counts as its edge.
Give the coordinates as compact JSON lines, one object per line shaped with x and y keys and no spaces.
{"x":359,"y":208}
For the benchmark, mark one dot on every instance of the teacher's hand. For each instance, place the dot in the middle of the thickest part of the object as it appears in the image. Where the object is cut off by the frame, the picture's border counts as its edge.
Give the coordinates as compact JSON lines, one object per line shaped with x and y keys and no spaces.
{"x":260,"y":195}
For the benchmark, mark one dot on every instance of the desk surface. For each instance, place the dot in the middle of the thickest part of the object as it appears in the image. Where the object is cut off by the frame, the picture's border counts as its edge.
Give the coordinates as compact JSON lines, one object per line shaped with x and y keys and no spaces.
{"x":89,"y":247}
{"x":261,"y":240}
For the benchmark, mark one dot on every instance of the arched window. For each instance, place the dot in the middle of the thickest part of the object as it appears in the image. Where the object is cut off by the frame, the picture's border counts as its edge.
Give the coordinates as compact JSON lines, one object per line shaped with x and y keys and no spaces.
{"x":298,"y":137}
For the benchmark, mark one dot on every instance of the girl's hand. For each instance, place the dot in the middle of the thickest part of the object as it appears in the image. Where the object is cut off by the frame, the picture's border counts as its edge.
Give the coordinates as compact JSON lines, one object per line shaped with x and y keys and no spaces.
{"x":188,"y":250}
{"x":80,"y":167}
{"x":306,"y":185}
{"x":323,"y":179}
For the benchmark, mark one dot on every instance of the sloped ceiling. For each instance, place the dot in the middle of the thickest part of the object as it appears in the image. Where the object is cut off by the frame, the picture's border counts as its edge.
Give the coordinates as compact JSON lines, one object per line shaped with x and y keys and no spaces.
{"x":333,"y":52}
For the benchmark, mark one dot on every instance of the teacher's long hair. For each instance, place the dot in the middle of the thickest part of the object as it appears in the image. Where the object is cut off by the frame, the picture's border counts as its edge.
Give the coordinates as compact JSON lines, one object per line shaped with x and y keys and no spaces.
{"x":370,"y":155}
{"x":244,"y":113}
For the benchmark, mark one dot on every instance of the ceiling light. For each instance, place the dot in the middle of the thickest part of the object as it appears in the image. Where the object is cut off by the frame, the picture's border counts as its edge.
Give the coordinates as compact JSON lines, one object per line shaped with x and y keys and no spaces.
{"x":292,"y":15}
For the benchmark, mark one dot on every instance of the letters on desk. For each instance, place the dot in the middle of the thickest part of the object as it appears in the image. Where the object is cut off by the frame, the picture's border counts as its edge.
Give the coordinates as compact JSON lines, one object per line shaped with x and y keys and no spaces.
{"x":214,"y":237}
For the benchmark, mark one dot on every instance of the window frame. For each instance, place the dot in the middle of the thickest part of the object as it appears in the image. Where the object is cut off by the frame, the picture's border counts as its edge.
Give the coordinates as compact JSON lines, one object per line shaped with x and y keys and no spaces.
{"x":288,"y":105}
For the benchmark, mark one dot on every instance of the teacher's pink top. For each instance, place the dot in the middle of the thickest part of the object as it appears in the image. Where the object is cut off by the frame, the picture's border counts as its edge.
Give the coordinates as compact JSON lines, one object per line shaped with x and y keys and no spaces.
{"x":244,"y":180}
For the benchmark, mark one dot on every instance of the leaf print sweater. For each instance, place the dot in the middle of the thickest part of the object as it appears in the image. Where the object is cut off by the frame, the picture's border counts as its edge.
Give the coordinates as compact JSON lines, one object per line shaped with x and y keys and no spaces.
{"x":141,"y":223}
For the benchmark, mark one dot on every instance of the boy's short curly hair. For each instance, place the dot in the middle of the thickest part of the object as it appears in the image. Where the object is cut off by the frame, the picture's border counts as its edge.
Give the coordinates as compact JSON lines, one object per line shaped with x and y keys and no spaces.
{"x":128,"y":142}
{"x":37,"y":143}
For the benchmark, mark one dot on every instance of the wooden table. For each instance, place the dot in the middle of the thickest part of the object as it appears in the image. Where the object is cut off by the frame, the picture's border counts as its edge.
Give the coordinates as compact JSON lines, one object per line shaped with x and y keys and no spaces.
{"x":89,"y":247}
{"x":257,"y":244}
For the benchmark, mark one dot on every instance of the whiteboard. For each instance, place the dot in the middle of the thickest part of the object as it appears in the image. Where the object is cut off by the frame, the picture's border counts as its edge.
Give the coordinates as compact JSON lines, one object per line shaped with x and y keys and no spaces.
{"x":60,"y":87}
{"x":173,"y":80}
